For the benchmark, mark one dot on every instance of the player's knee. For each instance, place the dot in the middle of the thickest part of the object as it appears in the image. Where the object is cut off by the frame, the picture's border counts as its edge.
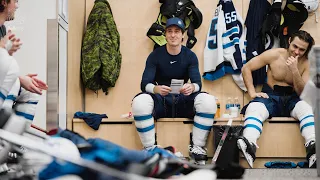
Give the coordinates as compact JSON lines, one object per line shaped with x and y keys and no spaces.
{"x":257,"y":109}
{"x":142,"y":104}
{"x":26,"y":96}
{"x":302,"y":108}
{"x":205,"y":103}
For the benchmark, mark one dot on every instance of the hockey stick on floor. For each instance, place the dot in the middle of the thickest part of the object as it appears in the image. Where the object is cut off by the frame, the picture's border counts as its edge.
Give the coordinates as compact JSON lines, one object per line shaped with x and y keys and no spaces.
{"x":223,"y":138}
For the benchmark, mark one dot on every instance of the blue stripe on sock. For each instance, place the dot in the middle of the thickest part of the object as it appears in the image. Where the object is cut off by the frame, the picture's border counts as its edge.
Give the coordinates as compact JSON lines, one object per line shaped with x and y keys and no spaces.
{"x":32,"y":102}
{"x":205,"y":115}
{"x":145,"y":129}
{"x":253,"y":126}
{"x":253,"y":118}
{"x":306,"y":117}
{"x":142,"y":118}
{"x":203,"y":127}
{"x":11,"y":97}
{"x":306,"y":125}
{"x":25,"y":115}
{"x":2,"y":96}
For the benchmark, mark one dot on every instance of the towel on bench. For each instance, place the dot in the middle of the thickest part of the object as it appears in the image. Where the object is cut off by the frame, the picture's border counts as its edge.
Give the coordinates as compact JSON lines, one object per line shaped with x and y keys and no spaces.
{"x":280,"y":164}
{"x":92,"y":119}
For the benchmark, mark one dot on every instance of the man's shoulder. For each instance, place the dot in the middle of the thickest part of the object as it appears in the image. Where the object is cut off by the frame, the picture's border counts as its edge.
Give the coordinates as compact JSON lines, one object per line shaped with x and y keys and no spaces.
{"x":275,"y":54}
{"x":278,"y":51}
{"x":187,"y":51}
{"x":159,"y":51}
{"x":305,"y":62}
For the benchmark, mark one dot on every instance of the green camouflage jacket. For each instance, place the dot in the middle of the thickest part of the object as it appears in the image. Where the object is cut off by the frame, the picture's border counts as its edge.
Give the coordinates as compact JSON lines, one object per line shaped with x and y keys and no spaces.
{"x":101,"y":57}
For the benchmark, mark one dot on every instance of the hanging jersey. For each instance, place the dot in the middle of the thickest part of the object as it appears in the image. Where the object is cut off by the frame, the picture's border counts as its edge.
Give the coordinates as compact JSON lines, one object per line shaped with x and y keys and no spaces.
{"x":255,"y":45}
{"x":225,"y":46}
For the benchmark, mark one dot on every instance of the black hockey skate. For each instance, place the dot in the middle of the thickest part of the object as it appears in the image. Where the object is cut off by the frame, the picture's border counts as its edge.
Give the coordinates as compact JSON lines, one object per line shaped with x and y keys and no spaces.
{"x":248,"y":150}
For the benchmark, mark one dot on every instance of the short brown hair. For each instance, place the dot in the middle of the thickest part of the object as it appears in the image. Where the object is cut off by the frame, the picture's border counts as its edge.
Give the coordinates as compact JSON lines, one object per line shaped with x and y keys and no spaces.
{"x":2,"y":6}
{"x":305,"y":36}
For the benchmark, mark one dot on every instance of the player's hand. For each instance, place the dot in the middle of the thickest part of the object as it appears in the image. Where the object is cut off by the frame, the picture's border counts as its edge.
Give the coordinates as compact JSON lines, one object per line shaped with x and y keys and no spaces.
{"x":16,"y":43}
{"x":37,"y":82}
{"x":32,"y":84}
{"x":261,"y":94}
{"x":162,"y":90}
{"x":187,"y":89}
{"x":292,"y":63}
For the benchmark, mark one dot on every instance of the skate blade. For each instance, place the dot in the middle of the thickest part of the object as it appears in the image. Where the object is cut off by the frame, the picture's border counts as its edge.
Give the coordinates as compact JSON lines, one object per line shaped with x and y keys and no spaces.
{"x":203,"y":162}
{"x":312,"y":160}
{"x":241,"y":144}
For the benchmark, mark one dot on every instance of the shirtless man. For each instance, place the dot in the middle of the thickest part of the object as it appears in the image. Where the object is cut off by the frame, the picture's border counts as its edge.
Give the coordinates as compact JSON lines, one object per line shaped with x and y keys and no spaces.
{"x":287,"y":74}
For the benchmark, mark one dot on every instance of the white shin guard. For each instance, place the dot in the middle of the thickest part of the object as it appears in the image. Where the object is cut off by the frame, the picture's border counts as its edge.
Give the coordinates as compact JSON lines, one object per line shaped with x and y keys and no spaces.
{"x":142,"y":107}
{"x":303,"y":112}
{"x":206,"y":108}
{"x":256,"y":114}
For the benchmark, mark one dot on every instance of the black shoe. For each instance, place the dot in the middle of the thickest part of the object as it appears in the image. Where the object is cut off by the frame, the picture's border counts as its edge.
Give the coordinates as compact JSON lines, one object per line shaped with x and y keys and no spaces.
{"x":311,"y":154}
{"x":248,"y":150}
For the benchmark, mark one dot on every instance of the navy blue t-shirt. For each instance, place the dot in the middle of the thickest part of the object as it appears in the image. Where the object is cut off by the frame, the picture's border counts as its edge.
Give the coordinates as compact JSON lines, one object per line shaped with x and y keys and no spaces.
{"x":161,"y":67}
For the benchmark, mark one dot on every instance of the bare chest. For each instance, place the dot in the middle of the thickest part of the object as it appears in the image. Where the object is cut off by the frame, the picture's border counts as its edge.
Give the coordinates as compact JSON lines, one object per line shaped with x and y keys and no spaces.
{"x":280,"y":72}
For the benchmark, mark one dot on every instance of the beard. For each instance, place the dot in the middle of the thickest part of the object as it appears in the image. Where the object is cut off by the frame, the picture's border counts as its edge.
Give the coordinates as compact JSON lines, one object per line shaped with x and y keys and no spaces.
{"x":10,"y":16}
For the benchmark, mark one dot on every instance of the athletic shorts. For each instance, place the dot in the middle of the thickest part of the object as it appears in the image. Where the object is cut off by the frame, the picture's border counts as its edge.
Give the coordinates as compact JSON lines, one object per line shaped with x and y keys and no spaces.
{"x":173,"y":105}
{"x":281,"y":101}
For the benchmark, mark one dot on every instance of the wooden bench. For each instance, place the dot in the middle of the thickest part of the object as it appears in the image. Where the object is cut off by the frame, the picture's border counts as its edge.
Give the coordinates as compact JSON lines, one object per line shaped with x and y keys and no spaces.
{"x":122,"y":132}
{"x":280,"y":140}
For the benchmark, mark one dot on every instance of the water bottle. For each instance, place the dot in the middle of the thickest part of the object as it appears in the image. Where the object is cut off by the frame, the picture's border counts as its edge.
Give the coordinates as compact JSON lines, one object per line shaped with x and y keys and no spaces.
{"x":237,"y":103}
{"x":217,"y":115}
{"x":228,"y":105}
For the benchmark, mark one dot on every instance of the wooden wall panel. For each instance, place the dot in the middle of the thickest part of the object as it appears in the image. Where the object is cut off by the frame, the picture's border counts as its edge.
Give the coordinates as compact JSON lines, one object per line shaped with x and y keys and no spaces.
{"x":135,"y":48}
{"x":312,"y":26}
{"x":133,"y":22}
{"x":75,"y":98}
{"x":124,"y":135}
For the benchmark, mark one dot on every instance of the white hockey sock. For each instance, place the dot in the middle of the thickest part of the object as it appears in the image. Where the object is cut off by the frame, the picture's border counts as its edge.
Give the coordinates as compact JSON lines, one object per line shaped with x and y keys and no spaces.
{"x":303,"y":112}
{"x":142,"y":107}
{"x":206,"y":107}
{"x":256,"y":114}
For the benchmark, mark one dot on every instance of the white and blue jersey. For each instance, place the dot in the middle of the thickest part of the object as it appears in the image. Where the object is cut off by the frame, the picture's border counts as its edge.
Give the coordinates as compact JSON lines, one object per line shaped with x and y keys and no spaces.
{"x":12,"y":95}
{"x":225,"y":46}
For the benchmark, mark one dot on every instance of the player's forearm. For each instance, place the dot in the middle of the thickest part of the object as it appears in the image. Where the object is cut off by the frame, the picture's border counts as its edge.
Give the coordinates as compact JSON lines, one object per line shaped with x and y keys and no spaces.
{"x":298,"y":83}
{"x":147,"y":78}
{"x":196,"y":87}
{"x":196,"y":80}
{"x":149,"y":88}
{"x":248,"y":81}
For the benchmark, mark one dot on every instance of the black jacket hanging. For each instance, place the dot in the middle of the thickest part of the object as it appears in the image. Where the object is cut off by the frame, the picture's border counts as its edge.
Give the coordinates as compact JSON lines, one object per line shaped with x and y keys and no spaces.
{"x":257,"y":12}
